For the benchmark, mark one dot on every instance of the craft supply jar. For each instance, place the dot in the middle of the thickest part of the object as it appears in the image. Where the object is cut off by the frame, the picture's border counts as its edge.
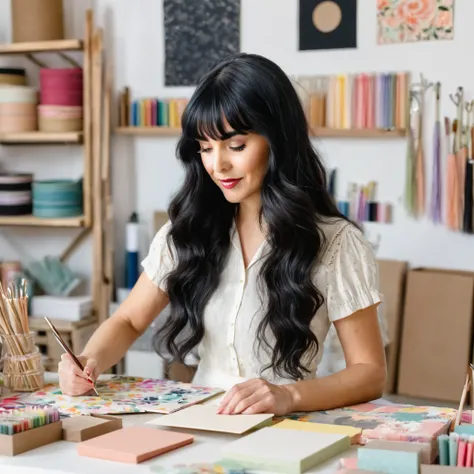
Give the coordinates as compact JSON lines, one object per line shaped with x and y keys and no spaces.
{"x":23,"y":369}
{"x":37,"y":20}
{"x":18,"y":344}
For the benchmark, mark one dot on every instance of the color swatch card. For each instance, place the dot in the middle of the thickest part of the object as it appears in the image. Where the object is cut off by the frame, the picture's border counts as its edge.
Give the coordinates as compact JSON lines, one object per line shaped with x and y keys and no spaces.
{"x":124,"y":395}
{"x":205,"y":417}
{"x":288,"y":451}
{"x":134,"y":444}
{"x":353,"y":433}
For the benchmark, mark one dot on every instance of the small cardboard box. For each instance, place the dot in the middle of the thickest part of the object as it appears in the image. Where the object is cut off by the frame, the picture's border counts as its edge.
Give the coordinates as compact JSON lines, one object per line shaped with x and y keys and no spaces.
{"x":12,"y":445}
{"x":82,"y":428}
{"x":436,"y":342}
{"x":392,"y":274}
{"x":435,"y":469}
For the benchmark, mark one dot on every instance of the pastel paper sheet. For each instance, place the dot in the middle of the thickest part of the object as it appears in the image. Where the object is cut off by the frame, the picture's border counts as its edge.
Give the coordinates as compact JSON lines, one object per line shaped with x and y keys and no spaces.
{"x":403,"y":21}
{"x":119,"y":395}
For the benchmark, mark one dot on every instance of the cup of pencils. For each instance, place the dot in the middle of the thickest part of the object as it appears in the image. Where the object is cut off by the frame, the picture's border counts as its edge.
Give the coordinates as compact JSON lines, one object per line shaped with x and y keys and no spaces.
{"x":23,"y":369}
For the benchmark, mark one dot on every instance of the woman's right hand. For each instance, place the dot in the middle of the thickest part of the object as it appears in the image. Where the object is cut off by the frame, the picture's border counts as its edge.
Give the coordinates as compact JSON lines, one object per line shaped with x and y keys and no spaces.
{"x":72,"y":380}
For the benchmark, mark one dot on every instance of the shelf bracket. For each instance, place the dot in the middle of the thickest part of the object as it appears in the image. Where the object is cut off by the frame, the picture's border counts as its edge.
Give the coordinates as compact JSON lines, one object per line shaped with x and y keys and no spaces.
{"x":36,"y":61}
{"x":74,"y":244}
{"x":69,"y":60}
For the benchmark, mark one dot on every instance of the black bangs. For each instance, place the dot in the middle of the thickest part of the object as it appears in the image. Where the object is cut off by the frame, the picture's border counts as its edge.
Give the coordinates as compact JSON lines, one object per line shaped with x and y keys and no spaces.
{"x":211,"y":114}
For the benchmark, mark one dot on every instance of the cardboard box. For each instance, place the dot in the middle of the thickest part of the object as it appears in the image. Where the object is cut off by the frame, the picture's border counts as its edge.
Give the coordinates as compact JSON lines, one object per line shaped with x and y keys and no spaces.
{"x":436,"y":343}
{"x":12,"y":445}
{"x":160,"y":218}
{"x":82,"y":428}
{"x":181,"y":372}
{"x":392,"y":275}
{"x":435,"y":469}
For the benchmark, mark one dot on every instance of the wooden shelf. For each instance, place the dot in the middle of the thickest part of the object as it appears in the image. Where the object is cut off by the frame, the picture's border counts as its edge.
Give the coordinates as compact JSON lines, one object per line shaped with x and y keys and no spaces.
{"x":32,"y":221}
{"x":152,"y":131}
{"x":41,"y":138}
{"x":357,"y":133}
{"x":317,"y":132}
{"x":42,"y":47}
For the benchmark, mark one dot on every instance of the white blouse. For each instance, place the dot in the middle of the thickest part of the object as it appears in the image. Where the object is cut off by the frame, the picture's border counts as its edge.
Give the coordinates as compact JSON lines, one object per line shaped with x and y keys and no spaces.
{"x":347,"y":276}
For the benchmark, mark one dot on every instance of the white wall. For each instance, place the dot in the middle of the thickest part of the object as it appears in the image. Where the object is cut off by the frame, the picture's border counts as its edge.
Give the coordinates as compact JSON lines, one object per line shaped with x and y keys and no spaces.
{"x":145,"y":171}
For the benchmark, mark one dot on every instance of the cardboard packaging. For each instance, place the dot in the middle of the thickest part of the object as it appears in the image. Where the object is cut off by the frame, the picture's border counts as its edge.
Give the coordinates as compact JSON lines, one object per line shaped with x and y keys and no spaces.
{"x":181,"y":372}
{"x":82,"y":428}
{"x":436,"y":340}
{"x":37,"y":20}
{"x":12,"y":445}
{"x":392,"y":275}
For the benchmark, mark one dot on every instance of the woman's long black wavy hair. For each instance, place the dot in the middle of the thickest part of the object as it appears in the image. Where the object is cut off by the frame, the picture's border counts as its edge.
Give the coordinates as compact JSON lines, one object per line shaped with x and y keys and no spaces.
{"x":252,"y":94}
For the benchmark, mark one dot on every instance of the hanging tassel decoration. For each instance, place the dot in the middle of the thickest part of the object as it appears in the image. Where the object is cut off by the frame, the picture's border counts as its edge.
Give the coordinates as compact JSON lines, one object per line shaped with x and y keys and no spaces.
{"x":436,"y":189}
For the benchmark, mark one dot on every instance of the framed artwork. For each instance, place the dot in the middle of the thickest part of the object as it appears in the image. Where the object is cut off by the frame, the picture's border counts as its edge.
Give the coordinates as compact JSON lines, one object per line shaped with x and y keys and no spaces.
{"x":327,"y":24}
{"x":198,"y":35}
{"x":405,"y":21}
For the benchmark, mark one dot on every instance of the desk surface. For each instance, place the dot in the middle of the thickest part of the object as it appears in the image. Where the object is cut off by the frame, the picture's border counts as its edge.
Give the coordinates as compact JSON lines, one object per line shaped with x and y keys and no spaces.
{"x":61,"y":457}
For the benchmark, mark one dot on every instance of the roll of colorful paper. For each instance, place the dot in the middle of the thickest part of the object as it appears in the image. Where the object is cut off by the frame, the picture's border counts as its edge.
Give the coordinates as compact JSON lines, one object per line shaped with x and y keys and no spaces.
{"x":18,"y":117}
{"x":12,"y":76}
{"x":15,"y":194}
{"x":61,"y":87}
{"x":58,"y":118}
{"x":57,"y":198}
{"x":18,"y":109}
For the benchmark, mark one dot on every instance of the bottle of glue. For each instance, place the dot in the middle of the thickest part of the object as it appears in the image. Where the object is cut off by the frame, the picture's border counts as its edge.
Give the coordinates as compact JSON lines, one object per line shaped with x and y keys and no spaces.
{"x":132,"y":247}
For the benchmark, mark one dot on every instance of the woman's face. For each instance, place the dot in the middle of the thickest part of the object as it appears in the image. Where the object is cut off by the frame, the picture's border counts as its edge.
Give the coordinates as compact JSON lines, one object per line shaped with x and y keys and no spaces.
{"x":237,"y":164}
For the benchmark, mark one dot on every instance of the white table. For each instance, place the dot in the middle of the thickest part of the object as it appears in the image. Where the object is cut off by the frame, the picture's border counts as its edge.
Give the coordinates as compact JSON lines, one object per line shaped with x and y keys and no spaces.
{"x":61,"y":457}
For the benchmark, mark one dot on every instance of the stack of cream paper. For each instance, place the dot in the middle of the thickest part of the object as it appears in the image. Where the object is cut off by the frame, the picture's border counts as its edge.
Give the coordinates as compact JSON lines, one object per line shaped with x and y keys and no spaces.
{"x":288,"y":451}
{"x":205,"y":417}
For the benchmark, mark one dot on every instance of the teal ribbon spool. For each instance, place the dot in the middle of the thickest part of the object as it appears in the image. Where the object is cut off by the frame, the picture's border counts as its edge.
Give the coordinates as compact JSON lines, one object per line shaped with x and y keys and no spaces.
{"x":57,"y":198}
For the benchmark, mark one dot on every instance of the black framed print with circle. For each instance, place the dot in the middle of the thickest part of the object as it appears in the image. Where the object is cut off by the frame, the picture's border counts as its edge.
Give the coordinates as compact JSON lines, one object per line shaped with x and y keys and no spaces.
{"x":327,"y":24}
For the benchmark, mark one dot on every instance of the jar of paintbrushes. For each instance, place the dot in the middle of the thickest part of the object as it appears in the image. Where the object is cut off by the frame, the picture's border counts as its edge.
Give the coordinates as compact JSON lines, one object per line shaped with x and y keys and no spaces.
{"x":23,"y":369}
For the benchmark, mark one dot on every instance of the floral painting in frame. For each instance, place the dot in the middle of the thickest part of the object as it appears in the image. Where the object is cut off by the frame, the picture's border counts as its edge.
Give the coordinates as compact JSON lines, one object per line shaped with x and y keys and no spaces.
{"x":405,"y":21}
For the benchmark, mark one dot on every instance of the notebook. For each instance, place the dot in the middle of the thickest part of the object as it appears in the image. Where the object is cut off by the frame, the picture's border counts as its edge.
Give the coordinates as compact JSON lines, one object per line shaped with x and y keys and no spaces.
{"x":288,"y":451}
{"x":133,"y":444}
{"x":204,"y":417}
{"x":353,"y":433}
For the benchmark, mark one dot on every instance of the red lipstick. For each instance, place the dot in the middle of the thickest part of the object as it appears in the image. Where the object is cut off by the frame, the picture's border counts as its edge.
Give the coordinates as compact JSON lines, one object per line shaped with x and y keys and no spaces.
{"x":230,"y":183}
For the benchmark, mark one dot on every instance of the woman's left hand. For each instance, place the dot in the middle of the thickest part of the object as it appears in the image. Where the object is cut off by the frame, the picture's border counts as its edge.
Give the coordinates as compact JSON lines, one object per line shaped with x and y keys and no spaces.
{"x":257,"y":396}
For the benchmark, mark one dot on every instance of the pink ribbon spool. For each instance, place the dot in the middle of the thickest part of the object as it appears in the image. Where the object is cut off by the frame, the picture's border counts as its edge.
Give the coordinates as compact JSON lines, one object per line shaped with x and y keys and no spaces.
{"x":61,"y":86}
{"x":59,"y":111}
{"x":61,"y":97}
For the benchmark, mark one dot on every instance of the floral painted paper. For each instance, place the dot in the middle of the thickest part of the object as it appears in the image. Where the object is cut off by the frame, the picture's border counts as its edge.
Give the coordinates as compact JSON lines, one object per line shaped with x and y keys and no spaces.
{"x":118,"y":395}
{"x":404,"y":21}
{"x":422,"y":424}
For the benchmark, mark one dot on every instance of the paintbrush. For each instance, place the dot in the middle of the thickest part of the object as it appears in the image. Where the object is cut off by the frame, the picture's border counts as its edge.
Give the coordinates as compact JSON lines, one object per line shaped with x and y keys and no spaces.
{"x":68,"y":350}
{"x":462,"y":402}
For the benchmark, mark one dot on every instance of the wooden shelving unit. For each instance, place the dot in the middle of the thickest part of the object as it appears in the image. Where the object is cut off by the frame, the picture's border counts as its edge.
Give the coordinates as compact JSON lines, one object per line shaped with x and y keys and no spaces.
{"x":357,"y":133}
{"x":38,"y":138}
{"x":150,"y":131}
{"x":317,"y":132}
{"x":96,"y":174}
{"x":43,"y":47}
{"x":32,"y":221}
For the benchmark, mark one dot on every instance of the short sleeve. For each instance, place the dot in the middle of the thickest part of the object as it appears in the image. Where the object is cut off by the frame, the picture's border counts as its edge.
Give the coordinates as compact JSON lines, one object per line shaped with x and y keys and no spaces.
{"x":352,"y":275}
{"x":159,"y":261}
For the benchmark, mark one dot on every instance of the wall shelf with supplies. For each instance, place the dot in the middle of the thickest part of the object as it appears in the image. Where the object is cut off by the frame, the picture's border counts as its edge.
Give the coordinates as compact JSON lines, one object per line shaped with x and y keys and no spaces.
{"x":161,"y":131}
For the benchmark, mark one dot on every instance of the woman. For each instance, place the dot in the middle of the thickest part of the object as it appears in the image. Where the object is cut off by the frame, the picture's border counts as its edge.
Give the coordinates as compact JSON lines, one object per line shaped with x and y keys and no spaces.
{"x":256,"y":261}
